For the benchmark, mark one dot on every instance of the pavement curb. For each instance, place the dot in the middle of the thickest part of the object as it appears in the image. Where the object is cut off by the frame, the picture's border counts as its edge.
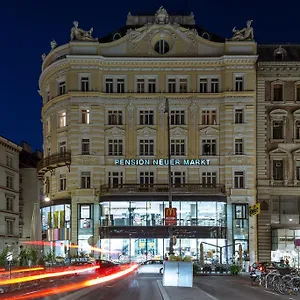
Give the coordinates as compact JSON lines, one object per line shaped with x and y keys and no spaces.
{"x":206,"y":294}
{"x":162,"y":291}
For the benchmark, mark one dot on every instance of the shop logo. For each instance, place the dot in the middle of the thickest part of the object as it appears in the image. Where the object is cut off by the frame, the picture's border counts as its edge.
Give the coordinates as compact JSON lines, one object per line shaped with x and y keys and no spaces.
{"x":170,"y":216}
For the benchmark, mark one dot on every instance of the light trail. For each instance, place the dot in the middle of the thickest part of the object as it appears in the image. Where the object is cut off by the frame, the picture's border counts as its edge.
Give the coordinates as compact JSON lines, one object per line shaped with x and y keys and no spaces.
{"x":22,"y":270}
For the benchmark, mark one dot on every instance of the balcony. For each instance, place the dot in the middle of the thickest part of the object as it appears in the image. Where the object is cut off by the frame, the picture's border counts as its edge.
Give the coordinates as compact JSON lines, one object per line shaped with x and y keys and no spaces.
{"x":52,"y":162}
{"x":161,"y":189}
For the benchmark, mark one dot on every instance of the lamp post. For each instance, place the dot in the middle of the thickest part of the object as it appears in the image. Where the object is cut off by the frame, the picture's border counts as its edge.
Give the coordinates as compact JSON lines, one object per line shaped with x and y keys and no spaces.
{"x":47,"y":199}
{"x":170,"y":229}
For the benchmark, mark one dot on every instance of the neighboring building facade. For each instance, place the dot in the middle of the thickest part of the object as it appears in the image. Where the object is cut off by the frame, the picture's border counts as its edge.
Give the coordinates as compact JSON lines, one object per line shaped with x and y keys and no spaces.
{"x":278,"y":151}
{"x":104,"y":104}
{"x":9,"y":194}
{"x":31,"y":189}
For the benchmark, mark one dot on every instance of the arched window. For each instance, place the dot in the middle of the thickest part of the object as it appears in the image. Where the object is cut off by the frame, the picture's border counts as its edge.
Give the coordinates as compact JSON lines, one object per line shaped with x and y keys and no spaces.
{"x":277,"y":91}
{"x":279,"y":54}
{"x":162,"y":47}
{"x":206,"y":36}
{"x":278,"y":125}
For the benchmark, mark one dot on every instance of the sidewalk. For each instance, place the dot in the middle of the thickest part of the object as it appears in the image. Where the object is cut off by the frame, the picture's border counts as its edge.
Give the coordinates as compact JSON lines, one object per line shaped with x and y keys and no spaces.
{"x":182,"y":293}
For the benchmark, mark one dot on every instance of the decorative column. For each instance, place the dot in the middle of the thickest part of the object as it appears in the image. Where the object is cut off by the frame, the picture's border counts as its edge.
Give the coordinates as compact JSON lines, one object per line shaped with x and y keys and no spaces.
{"x":193,"y":108}
{"x":285,"y":170}
{"x":161,"y":108}
{"x":271,"y":171}
{"x":130,"y":108}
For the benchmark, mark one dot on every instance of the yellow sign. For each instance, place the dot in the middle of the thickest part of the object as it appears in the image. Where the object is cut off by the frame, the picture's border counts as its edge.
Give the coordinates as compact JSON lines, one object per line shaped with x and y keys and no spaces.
{"x":254,"y":209}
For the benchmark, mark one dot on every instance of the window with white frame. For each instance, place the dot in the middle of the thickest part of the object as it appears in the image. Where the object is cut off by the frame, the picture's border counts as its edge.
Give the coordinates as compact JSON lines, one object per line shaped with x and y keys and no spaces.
{"x":62,"y":182}
{"x":84,"y":83}
{"x":239,"y":83}
{"x":209,"y":178}
{"x":62,"y":147}
{"x":171,"y":85}
{"x":297,"y":130}
{"x":239,"y":146}
{"x":9,"y":181}
{"x":209,"y":147}
{"x":85,"y":116}
{"x":146,"y":147}
{"x":62,"y":119}
{"x":177,"y":117}
{"x":177,"y":84}
{"x":298,"y":169}
{"x":214,"y":85}
{"x":146,"y":117}
{"x":120,"y":85}
{"x":85,"y":146}
{"x":277,"y":92}
{"x":61,"y":88}
{"x":239,"y":116}
{"x":277,"y":128}
{"x":146,"y":178}
{"x":203,"y":84}
{"x":152,"y":85}
{"x":85,"y":180}
{"x":239,"y":180}
{"x":278,"y":169}
{"x":209,"y":117}
{"x":9,"y":160}
{"x":177,"y":147}
{"x":115,"y":179}
{"x":115,"y":117}
{"x":140,"y":85}
{"x":109,"y":85}
{"x":178,"y":179}
{"x":9,"y":227}
{"x":183,"y":85}
{"x":115,"y":147}
{"x":9,"y":202}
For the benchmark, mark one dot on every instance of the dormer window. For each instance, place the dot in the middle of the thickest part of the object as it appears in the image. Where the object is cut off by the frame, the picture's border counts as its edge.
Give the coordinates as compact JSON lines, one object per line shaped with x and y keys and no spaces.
{"x":279,"y":54}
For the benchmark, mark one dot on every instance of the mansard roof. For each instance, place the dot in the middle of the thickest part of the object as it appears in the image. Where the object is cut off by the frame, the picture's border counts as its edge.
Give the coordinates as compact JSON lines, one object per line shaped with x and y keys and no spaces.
{"x":267,"y":52}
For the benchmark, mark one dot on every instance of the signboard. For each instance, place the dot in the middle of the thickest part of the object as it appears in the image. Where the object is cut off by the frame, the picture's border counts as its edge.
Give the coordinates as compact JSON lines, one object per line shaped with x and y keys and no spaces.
{"x":297,"y":242}
{"x":254,"y":209}
{"x":9,"y":256}
{"x":162,"y":162}
{"x":170,"y":216}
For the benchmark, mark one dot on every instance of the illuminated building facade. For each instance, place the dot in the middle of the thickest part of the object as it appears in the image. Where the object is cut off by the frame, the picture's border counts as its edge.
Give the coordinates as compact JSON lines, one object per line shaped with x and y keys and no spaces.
{"x":104,"y":104}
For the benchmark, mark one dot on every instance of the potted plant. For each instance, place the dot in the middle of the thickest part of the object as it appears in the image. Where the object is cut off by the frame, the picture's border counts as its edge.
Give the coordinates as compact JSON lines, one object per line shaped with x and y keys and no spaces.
{"x":235,"y":269}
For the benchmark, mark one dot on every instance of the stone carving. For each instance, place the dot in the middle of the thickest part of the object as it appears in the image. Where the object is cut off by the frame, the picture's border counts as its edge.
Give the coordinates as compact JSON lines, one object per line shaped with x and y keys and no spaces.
{"x":193,"y":109}
{"x":80,"y":34}
{"x":161,"y":16}
{"x":130,"y":113}
{"x":178,"y":131}
{"x":115,"y":131}
{"x":53,"y":45}
{"x":136,"y":35}
{"x":146,"y":131}
{"x":44,"y":56}
{"x":245,"y":34}
{"x":161,"y":109}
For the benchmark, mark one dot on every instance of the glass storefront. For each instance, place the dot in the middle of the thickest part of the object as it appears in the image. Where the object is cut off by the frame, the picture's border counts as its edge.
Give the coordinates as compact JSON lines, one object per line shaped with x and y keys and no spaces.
{"x":56,"y":216}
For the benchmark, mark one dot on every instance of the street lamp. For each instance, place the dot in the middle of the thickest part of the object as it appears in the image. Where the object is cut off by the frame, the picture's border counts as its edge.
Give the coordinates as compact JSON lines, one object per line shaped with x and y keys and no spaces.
{"x":171,"y":242}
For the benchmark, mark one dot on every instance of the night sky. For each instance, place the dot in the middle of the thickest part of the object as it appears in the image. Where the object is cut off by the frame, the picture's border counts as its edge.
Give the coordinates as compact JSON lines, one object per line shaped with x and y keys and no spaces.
{"x":27,"y":27}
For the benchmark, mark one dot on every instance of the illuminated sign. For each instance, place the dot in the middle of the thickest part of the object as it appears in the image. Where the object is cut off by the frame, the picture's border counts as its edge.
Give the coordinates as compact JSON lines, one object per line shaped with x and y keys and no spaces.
{"x":170,"y":216}
{"x":162,"y":162}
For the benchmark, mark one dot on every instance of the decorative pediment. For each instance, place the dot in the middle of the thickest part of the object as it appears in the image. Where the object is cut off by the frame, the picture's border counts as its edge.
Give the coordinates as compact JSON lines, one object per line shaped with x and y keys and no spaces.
{"x":115,"y":131}
{"x":209,"y":130}
{"x":297,"y":151}
{"x":146,"y":131}
{"x":297,"y":114}
{"x":178,"y":131}
{"x":279,"y":151}
{"x":278,"y":114}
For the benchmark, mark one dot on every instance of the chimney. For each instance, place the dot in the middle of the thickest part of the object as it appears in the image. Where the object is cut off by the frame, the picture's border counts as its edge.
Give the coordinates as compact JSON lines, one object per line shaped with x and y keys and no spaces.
{"x":26,"y":147}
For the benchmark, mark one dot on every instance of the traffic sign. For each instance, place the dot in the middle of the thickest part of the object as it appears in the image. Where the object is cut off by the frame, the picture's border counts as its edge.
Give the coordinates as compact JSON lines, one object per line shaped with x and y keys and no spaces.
{"x":170,"y":216}
{"x":254,"y":209}
{"x":9,"y":256}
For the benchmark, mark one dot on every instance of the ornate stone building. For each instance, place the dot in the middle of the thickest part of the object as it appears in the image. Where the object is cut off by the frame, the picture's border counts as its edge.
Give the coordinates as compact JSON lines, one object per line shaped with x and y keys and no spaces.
{"x":278,"y":151}
{"x":105,"y":131}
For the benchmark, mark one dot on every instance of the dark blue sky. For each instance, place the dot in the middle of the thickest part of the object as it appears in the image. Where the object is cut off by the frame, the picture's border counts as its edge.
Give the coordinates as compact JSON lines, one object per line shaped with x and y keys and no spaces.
{"x":27,"y":28}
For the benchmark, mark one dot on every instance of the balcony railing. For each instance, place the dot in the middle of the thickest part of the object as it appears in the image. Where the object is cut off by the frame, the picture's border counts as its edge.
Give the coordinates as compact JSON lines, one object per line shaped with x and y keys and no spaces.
{"x":52,"y":162}
{"x":122,"y":189}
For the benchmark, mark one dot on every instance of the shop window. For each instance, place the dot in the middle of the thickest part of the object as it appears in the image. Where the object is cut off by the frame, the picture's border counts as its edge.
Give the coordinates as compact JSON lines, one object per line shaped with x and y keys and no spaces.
{"x":240,"y":211}
{"x":85,"y":211}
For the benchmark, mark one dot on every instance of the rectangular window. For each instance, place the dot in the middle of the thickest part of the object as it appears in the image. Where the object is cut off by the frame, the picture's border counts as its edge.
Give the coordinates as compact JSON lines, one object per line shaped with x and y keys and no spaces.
{"x":61,"y":88}
{"x":10,"y":203}
{"x":9,"y":181}
{"x":140,"y":85}
{"x":298,"y":169}
{"x":84,"y":81}
{"x":47,"y":186}
{"x":214,"y":85}
{"x":85,"y":116}
{"x":277,"y":130}
{"x":203,"y":85}
{"x":62,"y":119}
{"x":85,"y":211}
{"x":177,"y":117}
{"x":209,"y":147}
{"x":85,"y":180}
{"x":298,"y":93}
{"x":209,"y":178}
{"x":239,"y":180}
{"x":172,"y":85}
{"x":9,"y":160}
{"x":146,"y":117}
{"x":62,"y":182}
{"x":209,"y":117}
{"x":239,"y":83}
{"x":146,"y":178}
{"x":297,"y":130}
{"x":146,"y":147}
{"x":9,"y":227}
{"x":178,"y":179}
{"x":238,"y":147}
{"x":47,"y":126}
{"x":183,"y":85}
{"x":85,"y":146}
{"x":278,"y":170}
{"x":115,"y":147}
{"x":115,"y":117}
{"x":115,"y":179}
{"x":240,"y":211}
{"x":120,"y":85}
{"x":177,"y":147}
{"x":277,"y":92}
{"x":152,"y":85}
{"x":63,"y":147}
{"x":239,"y":116}
{"x":109,"y":85}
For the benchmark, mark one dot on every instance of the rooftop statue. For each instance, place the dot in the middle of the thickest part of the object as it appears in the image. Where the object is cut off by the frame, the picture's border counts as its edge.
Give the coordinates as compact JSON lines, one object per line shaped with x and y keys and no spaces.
{"x":80,"y":34}
{"x":161,"y":16}
{"x":53,"y":45}
{"x":245,"y":34}
{"x":44,"y":56}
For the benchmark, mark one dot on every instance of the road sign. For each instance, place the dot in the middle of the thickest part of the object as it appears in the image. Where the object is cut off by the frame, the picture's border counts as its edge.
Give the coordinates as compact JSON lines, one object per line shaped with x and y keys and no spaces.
{"x":254,"y":209}
{"x":170,"y":216}
{"x":9,"y":256}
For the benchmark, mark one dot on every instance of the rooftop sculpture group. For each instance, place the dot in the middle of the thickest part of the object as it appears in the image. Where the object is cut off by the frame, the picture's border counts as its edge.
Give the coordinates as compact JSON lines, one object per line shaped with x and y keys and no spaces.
{"x":245,"y":34}
{"x":80,"y":34}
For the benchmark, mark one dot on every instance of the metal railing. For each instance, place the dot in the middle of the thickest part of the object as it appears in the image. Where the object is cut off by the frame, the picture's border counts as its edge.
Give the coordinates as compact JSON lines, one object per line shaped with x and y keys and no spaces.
{"x":54,"y":161}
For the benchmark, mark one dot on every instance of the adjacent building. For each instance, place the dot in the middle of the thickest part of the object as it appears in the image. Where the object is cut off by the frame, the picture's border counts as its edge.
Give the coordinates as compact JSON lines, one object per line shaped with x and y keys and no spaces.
{"x":278,"y":151}
{"x":105,"y":129}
